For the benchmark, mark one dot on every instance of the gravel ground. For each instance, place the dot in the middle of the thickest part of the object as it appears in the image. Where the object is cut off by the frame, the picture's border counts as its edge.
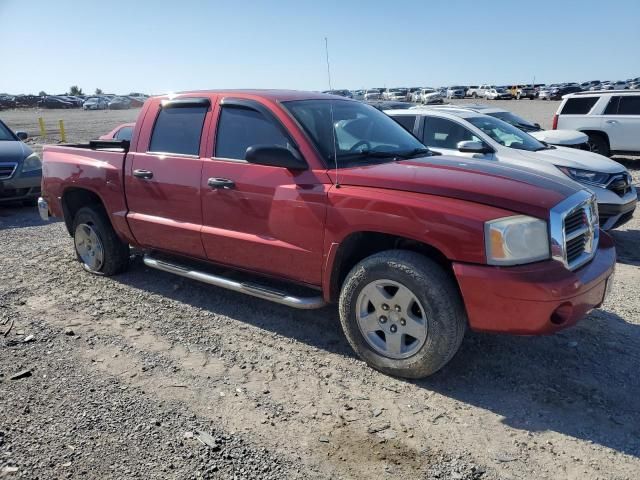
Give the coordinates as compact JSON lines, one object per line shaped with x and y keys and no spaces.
{"x":148,"y":375}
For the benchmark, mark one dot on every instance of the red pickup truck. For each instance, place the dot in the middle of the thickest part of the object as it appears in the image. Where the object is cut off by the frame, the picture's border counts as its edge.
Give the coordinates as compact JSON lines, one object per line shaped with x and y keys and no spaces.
{"x":317,"y":199}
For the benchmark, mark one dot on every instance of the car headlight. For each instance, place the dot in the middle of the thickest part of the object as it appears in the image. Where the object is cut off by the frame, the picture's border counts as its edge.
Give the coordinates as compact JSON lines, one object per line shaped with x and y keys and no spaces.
{"x":586,"y":176}
{"x":31,"y":163}
{"x":516,"y":240}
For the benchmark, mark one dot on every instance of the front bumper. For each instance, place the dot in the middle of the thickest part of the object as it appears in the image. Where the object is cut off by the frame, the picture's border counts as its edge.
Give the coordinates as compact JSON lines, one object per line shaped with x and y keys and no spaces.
{"x":22,"y":186}
{"x":615,"y":215}
{"x":535,"y":299}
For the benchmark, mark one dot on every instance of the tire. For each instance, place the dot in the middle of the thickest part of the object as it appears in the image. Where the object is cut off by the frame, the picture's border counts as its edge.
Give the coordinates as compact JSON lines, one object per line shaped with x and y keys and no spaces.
{"x":475,"y":95}
{"x":92,"y":232}
{"x":598,"y":144}
{"x":436,"y":304}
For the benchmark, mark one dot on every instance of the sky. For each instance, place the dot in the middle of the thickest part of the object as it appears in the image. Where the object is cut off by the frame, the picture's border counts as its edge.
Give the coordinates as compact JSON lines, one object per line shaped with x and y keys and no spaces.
{"x":157,"y":46}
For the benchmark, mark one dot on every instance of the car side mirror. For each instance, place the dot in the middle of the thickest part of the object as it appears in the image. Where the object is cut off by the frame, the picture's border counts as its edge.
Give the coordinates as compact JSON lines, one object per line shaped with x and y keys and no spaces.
{"x":22,"y":135}
{"x":471,"y":146}
{"x":275,"y":156}
{"x":537,"y":125}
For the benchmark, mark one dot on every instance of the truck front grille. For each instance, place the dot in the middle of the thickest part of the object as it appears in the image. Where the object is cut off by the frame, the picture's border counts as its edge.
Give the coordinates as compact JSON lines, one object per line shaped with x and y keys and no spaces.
{"x":575,"y":230}
{"x":7,"y":169}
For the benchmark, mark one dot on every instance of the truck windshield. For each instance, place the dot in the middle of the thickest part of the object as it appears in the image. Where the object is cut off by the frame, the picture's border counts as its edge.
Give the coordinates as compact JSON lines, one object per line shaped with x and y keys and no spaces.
{"x":506,"y":134}
{"x":360,"y":135}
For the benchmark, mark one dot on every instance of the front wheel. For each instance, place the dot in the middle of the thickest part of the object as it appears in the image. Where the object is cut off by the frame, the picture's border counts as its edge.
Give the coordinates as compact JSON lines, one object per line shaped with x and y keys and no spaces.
{"x":402,"y":313}
{"x":97,"y":246}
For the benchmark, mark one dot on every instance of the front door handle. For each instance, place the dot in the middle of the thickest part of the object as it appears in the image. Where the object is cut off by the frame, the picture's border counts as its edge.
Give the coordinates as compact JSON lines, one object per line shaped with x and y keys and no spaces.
{"x":145,"y":174}
{"x":223,"y":183}
{"x":612,"y":122}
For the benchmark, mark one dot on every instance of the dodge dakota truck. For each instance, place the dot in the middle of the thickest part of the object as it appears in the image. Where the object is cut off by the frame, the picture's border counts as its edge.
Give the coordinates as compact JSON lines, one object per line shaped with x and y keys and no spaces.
{"x":307,"y":199}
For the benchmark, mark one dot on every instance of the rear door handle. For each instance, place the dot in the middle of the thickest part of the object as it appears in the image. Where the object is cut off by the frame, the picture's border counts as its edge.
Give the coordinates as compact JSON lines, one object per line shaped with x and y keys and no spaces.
{"x":223,"y":183}
{"x":145,"y":174}
{"x":612,"y":122}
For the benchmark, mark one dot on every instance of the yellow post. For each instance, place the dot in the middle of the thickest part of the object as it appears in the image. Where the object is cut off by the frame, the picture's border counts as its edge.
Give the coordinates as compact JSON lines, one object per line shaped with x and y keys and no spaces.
{"x":43,"y":132}
{"x":63,"y":136}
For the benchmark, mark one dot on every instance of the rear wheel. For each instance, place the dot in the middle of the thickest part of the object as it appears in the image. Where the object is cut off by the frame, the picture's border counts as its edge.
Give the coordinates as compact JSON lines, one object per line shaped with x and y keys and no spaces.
{"x":402,"y":313}
{"x":97,"y":246}
{"x":598,"y":144}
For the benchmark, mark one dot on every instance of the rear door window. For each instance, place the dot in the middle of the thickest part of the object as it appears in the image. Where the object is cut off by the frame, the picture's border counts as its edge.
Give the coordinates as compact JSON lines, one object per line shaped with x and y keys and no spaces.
{"x":240,"y":128}
{"x":178,"y":130}
{"x":578,"y":105}
{"x":612,"y":106}
{"x":629,"y":105}
{"x":444,"y":133}
{"x":407,"y":121}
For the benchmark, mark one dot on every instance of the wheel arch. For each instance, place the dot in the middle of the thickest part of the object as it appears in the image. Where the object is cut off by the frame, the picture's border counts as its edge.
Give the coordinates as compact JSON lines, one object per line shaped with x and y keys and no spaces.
{"x":73,"y":199}
{"x":360,"y":245}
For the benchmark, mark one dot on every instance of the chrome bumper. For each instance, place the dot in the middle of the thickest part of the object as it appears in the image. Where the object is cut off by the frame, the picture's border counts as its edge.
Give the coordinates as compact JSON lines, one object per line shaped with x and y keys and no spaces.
{"x":43,"y":209}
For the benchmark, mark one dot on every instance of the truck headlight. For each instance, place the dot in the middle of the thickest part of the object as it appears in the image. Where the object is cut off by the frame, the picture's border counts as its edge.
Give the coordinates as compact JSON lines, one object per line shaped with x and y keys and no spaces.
{"x":516,"y":240}
{"x":31,"y":163}
{"x":586,"y":176}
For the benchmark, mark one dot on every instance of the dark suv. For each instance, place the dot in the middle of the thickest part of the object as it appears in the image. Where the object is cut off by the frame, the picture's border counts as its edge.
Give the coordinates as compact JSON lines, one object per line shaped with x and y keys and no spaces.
{"x":20,"y":168}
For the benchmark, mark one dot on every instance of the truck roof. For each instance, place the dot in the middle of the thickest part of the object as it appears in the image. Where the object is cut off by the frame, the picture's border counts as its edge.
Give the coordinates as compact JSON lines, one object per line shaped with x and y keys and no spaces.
{"x":270,"y":94}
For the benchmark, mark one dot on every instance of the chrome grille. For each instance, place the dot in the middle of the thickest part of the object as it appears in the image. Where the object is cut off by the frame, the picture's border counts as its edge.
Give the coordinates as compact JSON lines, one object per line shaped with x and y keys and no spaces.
{"x":575,"y":230}
{"x":7,"y":169}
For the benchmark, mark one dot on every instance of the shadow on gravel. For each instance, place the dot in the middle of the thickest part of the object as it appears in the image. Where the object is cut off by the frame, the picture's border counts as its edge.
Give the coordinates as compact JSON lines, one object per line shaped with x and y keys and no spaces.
{"x":627,"y":246}
{"x":13,"y":216}
{"x":582,"y":382}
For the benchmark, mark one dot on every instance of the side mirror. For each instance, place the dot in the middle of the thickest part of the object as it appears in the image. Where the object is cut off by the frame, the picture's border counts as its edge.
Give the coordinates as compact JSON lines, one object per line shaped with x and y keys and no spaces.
{"x":537,"y":125}
{"x":22,"y":135}
{"x":275,"y":156}
{"x":473,"y":147}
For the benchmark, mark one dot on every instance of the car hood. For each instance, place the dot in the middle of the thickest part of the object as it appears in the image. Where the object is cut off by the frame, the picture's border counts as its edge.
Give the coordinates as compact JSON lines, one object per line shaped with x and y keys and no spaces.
{"x":574,"y":158}
{"x":560,"y":137}
{"x":13,"y":151}
{"x":519,"y":189}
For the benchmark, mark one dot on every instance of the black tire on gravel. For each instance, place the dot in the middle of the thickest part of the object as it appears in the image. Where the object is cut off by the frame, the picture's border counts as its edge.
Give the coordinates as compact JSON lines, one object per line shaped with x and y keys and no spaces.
{"x":598,"y":144}
{"x":434,"y":288}
{"x":116,"y":252}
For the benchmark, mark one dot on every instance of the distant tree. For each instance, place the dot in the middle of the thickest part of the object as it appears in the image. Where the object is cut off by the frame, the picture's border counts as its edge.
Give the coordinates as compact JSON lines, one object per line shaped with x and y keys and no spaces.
{"x":42,"y":93}
{"x":75,"y":90}
{"x":98,"y":91}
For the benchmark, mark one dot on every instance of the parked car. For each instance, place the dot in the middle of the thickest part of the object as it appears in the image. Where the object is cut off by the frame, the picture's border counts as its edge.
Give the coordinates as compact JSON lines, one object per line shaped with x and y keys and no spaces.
{"x":119,"y":103}
{"x":430,"y":96}
{"x":619,"y":85}
{"x":7,"y":101}
{"x":414,"y":248}
{"x":373,"y":94}
{"x":456,"y":91}
{"x":396,"y":94}
{"x":611,"y":120}
{"x":479,"y":92}
{"x":54,"y":102}
{"x":564,"y":138}
{"x":358,"y":94}
{"x":470,"y":89}
{"x":474,"y":135}
{"x":558,"y":92}
{"x":75,"y":101}
{"x":498,"y":93}
{"x":413,"y":94}
{"x":20,"y":168}
{"x":589,"y":84}
{"x":121,"y":132}
{"x":135,"y":102}
{"x":523,"y":91}
{"x":96,"y":103}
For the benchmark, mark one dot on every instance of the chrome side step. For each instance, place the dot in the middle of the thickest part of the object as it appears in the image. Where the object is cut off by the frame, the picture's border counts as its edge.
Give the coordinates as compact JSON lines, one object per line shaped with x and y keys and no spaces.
{"x":305,"y":303}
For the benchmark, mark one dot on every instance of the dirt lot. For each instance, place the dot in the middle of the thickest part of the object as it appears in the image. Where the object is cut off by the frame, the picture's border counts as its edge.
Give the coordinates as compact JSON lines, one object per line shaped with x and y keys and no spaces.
{"x":147,"y":375}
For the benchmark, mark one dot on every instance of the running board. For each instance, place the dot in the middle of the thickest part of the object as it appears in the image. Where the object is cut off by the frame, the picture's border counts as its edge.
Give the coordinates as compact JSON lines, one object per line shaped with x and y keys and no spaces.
{"x":266,"y":293}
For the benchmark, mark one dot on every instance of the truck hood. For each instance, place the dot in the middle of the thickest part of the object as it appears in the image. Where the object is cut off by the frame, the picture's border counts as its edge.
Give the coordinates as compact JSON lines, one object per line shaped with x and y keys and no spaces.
{"x":518,"y":189}
{"x":560,"y":137}
{"x":574,"y":158}
{"x":13,"y":151}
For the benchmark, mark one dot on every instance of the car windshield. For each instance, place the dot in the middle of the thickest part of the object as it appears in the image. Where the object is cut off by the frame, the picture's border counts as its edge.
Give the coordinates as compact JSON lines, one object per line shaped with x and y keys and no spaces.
{"x":515,"y":120}
{"x":506,"y":135}
{"x":360,"y":135}
{"x":5,"y":134}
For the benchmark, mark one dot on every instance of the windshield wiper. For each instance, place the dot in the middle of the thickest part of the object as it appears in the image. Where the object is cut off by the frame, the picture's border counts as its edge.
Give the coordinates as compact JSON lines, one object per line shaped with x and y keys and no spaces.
{"x":383,"y":154}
